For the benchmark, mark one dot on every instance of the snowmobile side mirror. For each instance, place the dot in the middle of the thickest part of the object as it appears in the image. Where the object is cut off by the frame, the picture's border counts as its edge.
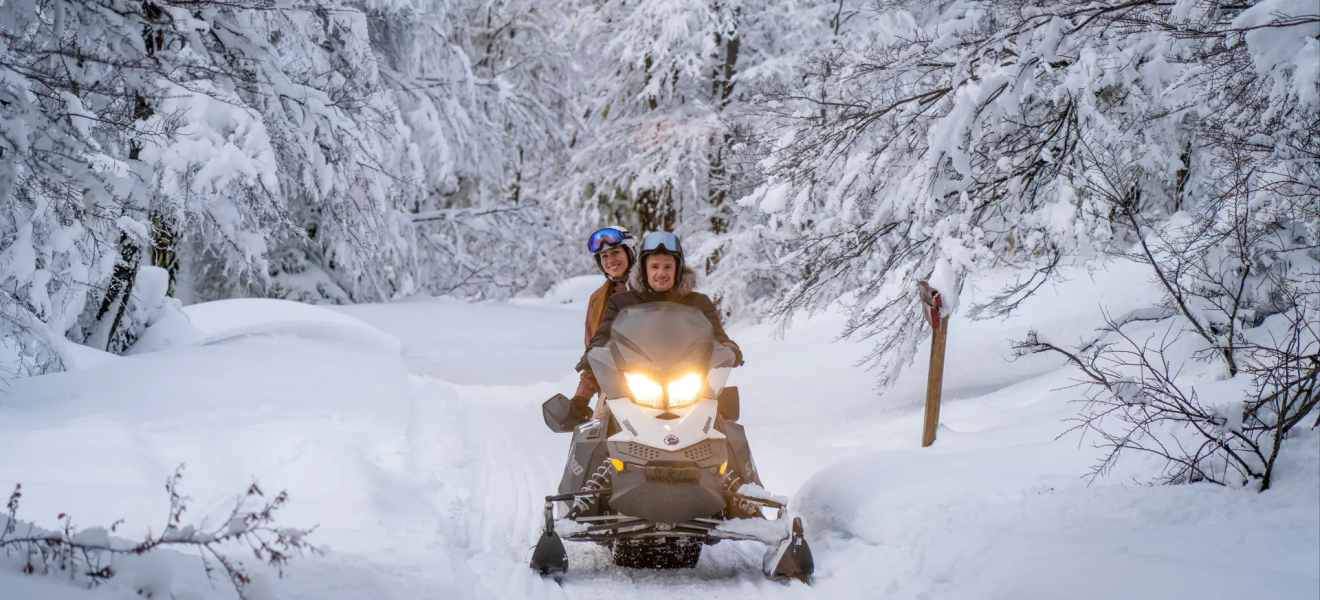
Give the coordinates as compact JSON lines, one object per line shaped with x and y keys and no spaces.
{"x":558,"y":414}
{"x":728,"y":403}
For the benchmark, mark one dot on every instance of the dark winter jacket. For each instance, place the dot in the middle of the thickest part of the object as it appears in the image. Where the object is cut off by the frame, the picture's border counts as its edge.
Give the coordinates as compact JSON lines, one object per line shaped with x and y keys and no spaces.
{"x":639,"y":293}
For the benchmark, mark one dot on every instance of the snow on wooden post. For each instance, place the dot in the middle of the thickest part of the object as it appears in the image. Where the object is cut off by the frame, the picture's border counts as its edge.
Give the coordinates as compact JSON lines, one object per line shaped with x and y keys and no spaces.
{"x":931,"y":304}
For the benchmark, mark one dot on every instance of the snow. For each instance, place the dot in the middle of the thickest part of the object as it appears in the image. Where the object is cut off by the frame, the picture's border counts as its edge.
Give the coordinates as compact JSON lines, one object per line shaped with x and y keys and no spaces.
{"x":410,"y":435}
{"x":751,"y":490}
{"x":771,"y":531}
{"x":93,"y":536}
{"x":172,"y":329}
{"x":228,"y":315}
{"x":575,"y":291}
{"x":1296,"y":53}
{"x":78,"y":356}
{"x":944,"y":281}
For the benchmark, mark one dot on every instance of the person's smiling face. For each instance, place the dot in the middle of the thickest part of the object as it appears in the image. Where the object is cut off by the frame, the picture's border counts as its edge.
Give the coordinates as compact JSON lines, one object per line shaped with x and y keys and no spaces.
{"x":614,"y":261}
{"x":661,"y":272}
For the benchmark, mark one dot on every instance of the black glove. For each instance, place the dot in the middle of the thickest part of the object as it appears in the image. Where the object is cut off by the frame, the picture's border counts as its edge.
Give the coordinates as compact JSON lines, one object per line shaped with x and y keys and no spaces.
{"x":580,"y":410}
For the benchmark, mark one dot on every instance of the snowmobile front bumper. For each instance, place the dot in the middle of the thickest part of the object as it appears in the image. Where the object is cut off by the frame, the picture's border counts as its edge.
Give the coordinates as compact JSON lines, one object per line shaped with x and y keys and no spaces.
{"x":668,"y":493}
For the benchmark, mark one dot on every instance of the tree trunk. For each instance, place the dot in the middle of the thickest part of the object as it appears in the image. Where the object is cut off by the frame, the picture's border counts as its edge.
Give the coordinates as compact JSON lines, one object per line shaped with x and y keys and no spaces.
{"x":717,"y":175}
{"x":163,"y":253}
{"x":651,"y":100}
{"x":120,"y":289}
{"x":655,"y":209}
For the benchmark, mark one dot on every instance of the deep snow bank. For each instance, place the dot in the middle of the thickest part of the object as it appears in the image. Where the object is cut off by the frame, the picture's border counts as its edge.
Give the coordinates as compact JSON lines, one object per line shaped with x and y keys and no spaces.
{"x":989,"y":520}
{"x":318,"y":405}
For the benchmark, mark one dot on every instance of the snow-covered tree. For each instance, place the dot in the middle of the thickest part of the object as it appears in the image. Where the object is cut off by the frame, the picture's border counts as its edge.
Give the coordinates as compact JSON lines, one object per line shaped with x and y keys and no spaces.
{"x":666,"y":137}
{"x":105,"y":136}
{"x":345,"y":173}
{"x":652,"y":109}
{"x":318,"y":150}
{"x":1027,"y":135}
{"x":485,"y":92}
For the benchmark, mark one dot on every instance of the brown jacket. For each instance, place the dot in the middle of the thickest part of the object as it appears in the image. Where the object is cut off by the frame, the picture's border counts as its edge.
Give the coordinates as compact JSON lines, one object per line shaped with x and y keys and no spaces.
{"x":587,"y":385}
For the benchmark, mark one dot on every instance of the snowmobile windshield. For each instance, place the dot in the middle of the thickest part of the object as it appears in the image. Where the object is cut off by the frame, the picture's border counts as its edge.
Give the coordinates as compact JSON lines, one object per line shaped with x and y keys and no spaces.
{"x":663,"y":340}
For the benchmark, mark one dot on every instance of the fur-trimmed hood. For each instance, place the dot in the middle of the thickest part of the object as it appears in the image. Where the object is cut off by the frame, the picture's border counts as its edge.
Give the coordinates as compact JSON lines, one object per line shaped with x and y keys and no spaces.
{"x":687,"y":281}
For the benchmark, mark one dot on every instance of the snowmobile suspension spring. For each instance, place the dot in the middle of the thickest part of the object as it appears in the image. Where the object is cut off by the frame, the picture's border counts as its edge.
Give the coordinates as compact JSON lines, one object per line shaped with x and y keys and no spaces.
{"x":597,"y":481}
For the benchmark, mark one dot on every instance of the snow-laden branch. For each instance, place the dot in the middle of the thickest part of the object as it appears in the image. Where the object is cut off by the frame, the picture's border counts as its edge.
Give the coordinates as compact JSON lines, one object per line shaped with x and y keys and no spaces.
{"x":87,"y":556}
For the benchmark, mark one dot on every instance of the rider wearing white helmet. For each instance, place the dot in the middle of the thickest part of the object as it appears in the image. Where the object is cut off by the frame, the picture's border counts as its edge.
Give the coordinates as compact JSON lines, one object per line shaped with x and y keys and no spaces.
{"x":661,"y":275}
{"x":612,"y":250}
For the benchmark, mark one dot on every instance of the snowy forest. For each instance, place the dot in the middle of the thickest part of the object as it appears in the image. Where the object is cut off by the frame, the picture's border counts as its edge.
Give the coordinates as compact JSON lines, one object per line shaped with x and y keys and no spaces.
{"x":815,"y":156}
{"x":158,"y":153}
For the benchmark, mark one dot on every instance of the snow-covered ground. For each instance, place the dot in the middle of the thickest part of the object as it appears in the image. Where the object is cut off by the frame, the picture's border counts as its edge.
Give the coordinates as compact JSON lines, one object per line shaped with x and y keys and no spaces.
{"x":410,"y":433}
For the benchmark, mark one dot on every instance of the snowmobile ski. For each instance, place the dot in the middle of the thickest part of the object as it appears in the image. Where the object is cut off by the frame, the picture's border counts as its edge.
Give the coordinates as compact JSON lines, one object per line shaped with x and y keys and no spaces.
{"x":549,"y":557}
{"x":794,"y":559}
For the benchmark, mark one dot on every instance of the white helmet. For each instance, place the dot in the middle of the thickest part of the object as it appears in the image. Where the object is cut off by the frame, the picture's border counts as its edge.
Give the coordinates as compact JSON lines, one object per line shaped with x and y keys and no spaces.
{"x":613,"y":236}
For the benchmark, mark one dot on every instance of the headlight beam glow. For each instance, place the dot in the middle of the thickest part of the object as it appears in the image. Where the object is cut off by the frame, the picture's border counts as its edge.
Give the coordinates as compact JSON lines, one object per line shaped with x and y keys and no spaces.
{"x":683,"y":391}
{"x":645,"y":391}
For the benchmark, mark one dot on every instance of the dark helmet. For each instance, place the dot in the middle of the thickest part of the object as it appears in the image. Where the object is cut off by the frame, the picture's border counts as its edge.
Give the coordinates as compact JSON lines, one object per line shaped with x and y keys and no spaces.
{"x":662,"y":242}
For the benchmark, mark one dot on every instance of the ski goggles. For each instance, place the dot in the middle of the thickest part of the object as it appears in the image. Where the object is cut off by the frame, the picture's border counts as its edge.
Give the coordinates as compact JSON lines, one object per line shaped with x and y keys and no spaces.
{"x":662,"y":240}
{"x":606,"y":238}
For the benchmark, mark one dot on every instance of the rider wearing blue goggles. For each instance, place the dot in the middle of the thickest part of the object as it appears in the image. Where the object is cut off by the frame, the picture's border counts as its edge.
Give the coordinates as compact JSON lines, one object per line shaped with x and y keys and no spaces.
{"x":608,"y":237}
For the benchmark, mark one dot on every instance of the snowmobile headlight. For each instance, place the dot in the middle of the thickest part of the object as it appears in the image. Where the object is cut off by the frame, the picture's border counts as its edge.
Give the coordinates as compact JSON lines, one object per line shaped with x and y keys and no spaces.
{"x":683,"y":391}
{"x":645,"y":391}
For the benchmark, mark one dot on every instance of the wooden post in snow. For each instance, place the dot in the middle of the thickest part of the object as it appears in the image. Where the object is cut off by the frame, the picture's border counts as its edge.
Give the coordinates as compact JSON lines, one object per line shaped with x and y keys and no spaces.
{"x":930,"y":305}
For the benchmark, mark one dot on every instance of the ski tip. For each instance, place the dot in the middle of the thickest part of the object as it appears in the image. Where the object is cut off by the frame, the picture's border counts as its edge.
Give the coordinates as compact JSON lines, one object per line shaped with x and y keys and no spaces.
{"x":554,"y":575}
{"x":795,"y":560}
{"x":549,"y":558}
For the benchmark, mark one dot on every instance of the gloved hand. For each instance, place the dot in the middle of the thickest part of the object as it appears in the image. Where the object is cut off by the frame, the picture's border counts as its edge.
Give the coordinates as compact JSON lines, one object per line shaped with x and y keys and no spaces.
{"x":737,"y":354}
{"x":580,"y":410}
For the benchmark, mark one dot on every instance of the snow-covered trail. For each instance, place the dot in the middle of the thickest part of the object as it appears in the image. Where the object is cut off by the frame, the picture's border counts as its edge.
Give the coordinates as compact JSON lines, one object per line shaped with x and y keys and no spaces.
{"x":485,"y":459}
{"x":422,"y":456}
{"x":978,"y":516}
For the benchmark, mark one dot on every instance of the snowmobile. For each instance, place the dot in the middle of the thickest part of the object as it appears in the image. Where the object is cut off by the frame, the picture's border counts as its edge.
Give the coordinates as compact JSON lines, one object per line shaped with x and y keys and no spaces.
{"x":670,"y":470}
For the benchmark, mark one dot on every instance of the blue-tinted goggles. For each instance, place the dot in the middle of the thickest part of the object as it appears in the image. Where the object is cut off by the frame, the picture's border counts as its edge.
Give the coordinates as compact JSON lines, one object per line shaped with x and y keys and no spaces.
{"x":606,"y":238}
{"x":662,"y":239}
